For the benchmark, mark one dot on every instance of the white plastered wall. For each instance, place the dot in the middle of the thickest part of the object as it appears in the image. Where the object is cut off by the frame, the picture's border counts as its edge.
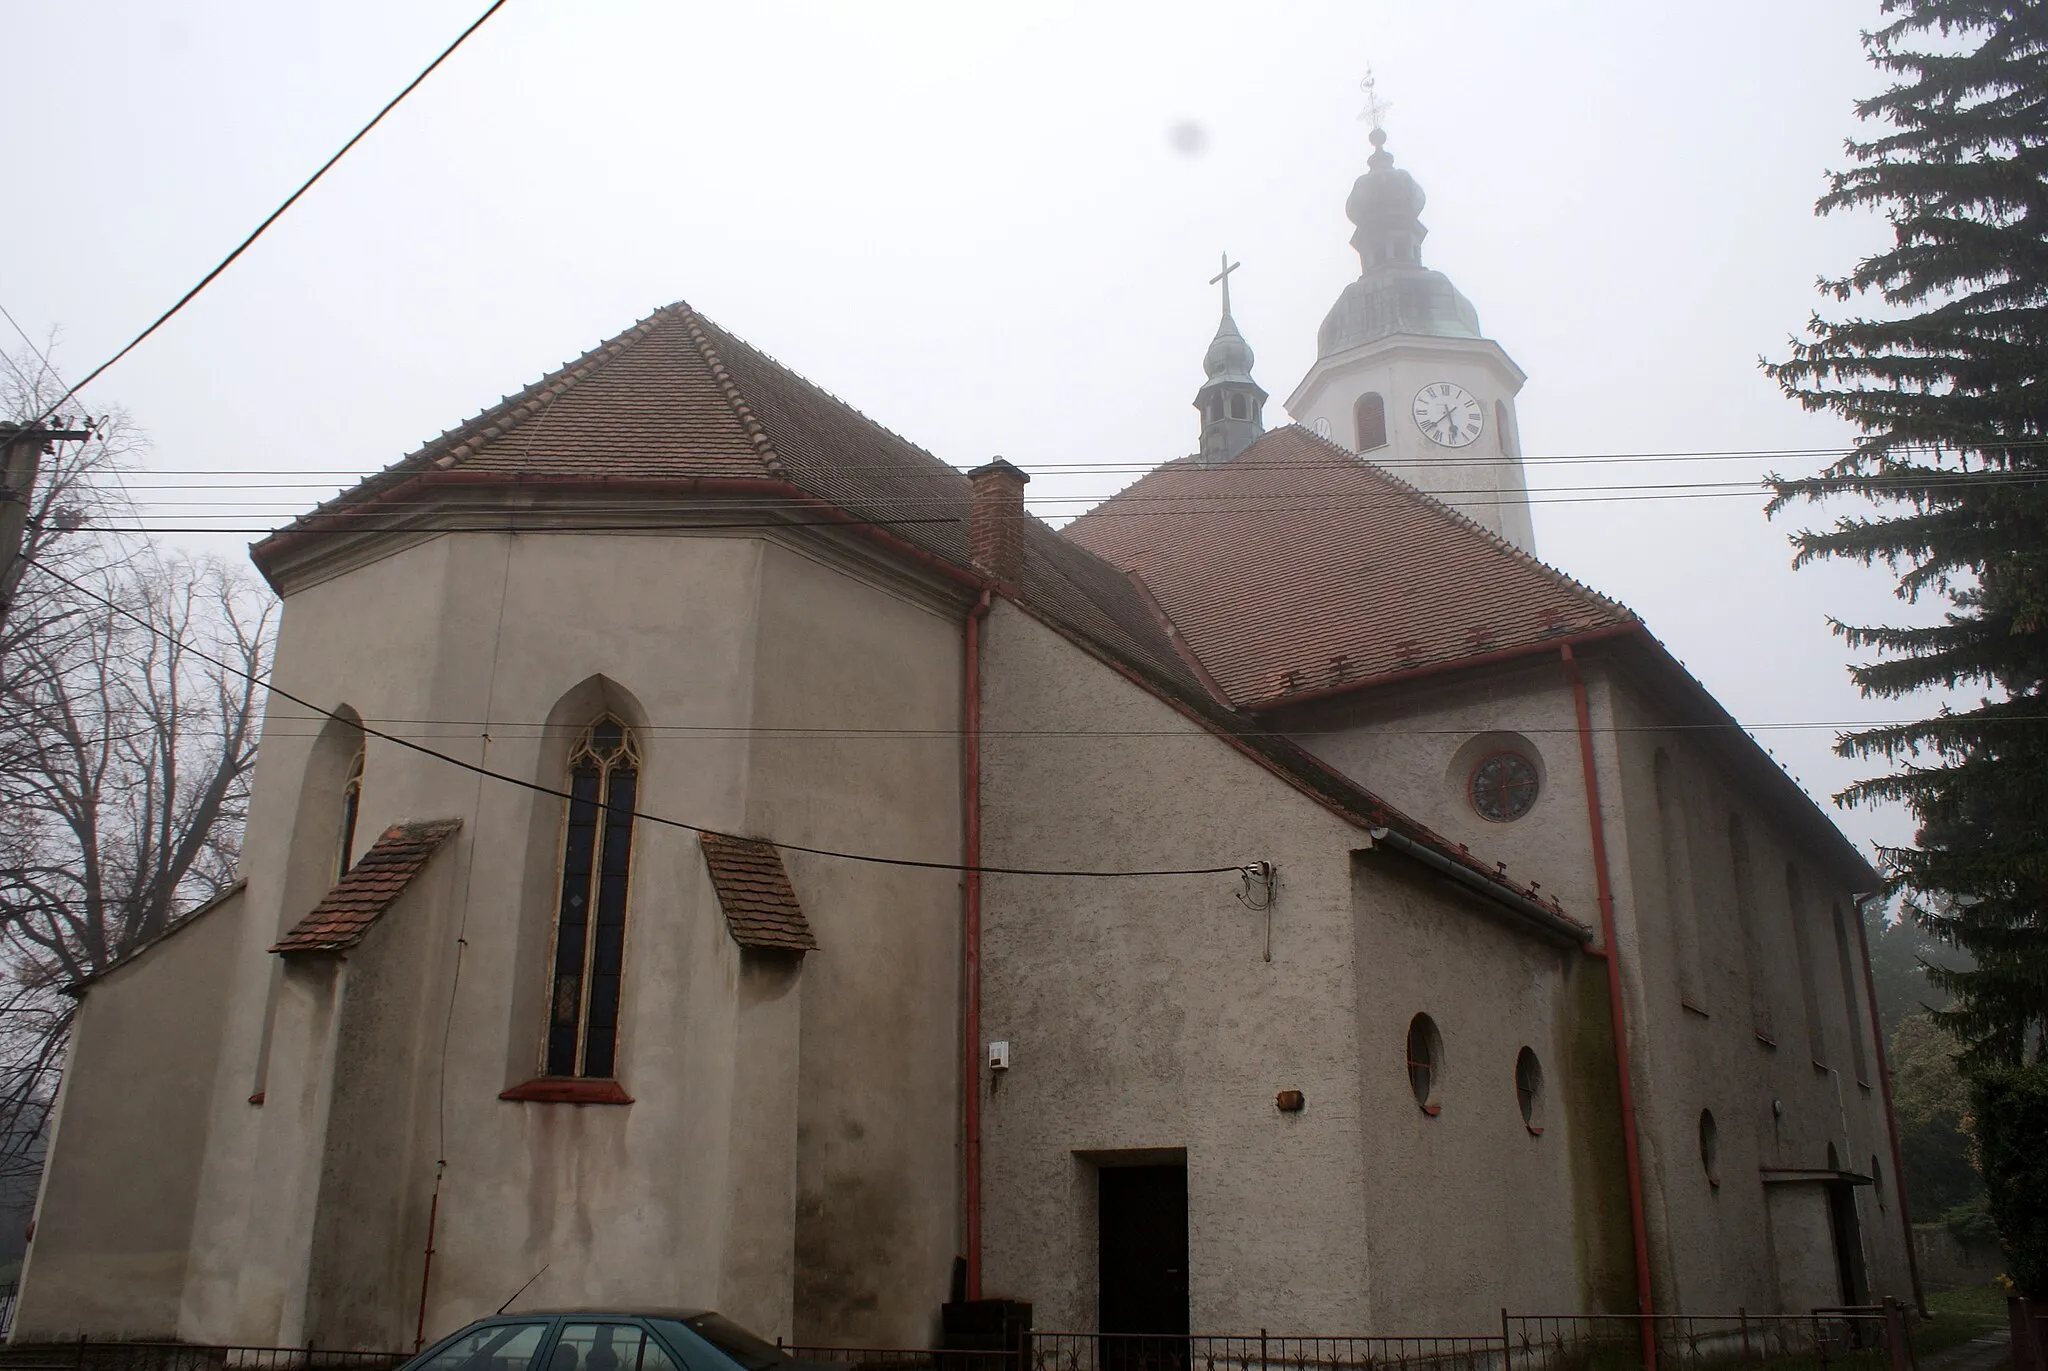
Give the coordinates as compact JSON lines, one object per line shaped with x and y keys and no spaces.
{"x":1142,"y":1014}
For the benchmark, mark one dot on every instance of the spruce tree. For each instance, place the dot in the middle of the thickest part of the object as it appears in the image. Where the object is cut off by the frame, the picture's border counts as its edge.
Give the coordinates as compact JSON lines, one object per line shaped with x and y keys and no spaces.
{"x":1944,"y":369}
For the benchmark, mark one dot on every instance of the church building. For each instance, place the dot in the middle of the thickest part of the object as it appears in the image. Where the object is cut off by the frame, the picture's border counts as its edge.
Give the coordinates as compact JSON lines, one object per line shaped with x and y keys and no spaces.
{"x":708,"y":851}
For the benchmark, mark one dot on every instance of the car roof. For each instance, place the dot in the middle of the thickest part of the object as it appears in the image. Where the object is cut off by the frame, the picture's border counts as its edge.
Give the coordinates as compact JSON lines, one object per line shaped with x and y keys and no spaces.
{"x":604,"y":1311}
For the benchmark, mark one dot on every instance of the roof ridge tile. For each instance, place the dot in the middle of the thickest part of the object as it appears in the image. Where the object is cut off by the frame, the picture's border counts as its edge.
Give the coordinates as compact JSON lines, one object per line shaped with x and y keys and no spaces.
{"x":693,"y":323}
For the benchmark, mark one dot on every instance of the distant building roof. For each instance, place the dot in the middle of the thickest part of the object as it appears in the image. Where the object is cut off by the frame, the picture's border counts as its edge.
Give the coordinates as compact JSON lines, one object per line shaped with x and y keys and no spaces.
{"x":369,"y":888}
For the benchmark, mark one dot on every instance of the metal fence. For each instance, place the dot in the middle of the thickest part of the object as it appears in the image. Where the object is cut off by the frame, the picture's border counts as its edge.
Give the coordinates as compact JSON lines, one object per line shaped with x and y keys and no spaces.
{"x":1872,"y":1338}
{"x":1866,"y":1338}
{"x":85,"y":1355}
{"x":1147,"y":1352}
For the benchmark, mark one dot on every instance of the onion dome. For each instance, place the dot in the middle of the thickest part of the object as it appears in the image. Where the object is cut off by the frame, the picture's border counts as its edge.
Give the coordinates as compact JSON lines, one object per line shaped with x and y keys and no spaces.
{"x":1394,"y":293}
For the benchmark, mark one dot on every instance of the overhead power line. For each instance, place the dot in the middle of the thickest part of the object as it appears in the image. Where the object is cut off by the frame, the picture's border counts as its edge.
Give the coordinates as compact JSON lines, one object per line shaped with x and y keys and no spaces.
{"x":271,"y":218}
{"x":728,"y":732}
{"x":657,"y":819}
{"x":1448,"y":459}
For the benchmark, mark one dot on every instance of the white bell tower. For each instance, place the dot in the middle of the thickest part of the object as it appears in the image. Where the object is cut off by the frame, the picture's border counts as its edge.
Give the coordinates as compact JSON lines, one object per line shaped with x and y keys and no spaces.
{"x":1403,"y":376}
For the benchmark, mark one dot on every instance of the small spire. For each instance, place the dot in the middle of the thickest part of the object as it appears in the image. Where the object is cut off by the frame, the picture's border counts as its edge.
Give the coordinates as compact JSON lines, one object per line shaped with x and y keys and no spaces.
{"x":1222,"y":278}
{"x":1230,"y":402}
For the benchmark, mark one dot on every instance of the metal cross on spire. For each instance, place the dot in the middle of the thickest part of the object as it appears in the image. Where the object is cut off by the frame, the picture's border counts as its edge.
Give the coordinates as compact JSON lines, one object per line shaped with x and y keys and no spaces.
{"x":1375,"y":108}
{"x":1223,"y":278}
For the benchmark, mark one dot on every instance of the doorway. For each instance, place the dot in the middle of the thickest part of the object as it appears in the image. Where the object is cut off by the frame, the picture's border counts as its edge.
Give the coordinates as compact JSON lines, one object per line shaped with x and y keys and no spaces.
{"x":1848,"y":1238}
{"x":1142,"y":1248}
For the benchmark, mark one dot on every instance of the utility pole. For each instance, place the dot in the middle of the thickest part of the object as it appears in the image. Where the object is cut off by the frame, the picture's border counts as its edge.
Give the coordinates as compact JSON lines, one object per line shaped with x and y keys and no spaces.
{"x":21,"y":455}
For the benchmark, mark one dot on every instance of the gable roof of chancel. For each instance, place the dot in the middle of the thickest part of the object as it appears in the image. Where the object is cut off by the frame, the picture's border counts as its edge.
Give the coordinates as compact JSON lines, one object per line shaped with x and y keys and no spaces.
{"x":676,"y":409}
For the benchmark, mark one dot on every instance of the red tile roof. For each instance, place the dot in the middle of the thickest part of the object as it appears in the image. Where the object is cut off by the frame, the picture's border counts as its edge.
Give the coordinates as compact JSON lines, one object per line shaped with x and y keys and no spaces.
{"x":761,"y":909}
{"x":1299,"y":566}
{"x":371,"y":886}
{"x":675,"y":400}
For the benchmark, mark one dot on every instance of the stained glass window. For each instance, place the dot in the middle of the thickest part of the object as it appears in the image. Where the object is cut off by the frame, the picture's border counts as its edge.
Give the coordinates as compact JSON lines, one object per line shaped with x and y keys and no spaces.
{"x":590,"y":919}
{"x":1504,"y":787}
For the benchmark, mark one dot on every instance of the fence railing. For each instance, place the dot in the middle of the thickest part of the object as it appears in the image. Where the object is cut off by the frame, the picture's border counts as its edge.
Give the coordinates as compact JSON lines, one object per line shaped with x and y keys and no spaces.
{"x":1864,"y":1338}
{"x":1872,"y":1338}
{"x":85,"y":1355}
{"x":1200,"y":1352}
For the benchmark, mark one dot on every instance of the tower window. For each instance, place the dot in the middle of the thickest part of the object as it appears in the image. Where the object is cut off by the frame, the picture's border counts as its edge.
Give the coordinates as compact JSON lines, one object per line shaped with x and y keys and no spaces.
{"x":1370,"y":416}
{"x":1710,"y":1148}
{"x":1238,"y":408}
{"x":590,"y":920}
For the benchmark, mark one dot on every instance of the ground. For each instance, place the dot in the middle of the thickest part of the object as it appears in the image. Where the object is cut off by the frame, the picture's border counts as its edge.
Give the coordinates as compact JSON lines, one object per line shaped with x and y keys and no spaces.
{"x":1967,"y":1333}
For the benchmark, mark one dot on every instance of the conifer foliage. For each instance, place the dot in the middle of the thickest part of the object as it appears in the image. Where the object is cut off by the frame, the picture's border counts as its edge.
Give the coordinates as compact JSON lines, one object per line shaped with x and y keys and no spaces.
{"x":1944,"y":368}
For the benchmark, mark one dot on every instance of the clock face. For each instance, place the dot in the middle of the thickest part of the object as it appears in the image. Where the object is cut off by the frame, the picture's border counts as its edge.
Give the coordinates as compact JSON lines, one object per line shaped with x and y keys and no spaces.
{"x":1448,"y":415}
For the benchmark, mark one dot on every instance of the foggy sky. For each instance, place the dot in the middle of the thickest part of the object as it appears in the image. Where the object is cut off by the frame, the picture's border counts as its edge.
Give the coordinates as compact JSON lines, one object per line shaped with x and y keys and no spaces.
{"x":975,"y":224}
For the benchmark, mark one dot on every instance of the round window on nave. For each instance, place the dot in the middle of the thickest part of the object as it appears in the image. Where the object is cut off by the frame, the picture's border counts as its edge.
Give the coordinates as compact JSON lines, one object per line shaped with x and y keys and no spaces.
{"x":1504,"y":787}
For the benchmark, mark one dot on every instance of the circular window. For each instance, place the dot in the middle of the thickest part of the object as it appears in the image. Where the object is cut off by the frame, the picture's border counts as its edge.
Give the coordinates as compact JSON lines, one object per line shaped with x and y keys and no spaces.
{"x":1710,"y":1148}
{"x":1504,"y":787}
{"x":1529,"y":1089}
{"x":1425,"y":1062}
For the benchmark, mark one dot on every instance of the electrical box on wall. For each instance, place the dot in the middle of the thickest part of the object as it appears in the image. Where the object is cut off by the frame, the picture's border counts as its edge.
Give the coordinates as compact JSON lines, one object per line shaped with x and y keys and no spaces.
{"x":999,"y":1056}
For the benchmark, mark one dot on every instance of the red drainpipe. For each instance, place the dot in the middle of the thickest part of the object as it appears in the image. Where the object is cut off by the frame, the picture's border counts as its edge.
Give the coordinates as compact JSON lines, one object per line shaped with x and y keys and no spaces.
{"x":970,"y":945}
{"x":1891,"y":1120}
{"x":1631,"y":1152}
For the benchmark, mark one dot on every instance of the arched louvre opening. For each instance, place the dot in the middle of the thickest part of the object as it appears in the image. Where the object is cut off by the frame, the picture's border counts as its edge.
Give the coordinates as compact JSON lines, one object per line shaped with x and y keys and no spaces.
{"x":1369,"y":416}
{"x":590,"y":917}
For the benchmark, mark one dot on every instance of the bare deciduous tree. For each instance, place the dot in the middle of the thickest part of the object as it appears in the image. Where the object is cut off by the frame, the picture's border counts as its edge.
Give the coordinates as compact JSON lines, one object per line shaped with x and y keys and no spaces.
{"x":129,"y":713}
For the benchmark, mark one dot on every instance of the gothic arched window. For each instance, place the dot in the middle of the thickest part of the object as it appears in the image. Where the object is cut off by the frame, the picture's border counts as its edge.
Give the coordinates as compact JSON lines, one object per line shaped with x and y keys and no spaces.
{"x":1370,"y":415}
{"x":351,"y":807}
{"x":590,"y":918}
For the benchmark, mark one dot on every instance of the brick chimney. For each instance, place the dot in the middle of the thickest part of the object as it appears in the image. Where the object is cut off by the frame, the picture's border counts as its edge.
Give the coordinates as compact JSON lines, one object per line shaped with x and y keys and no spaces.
{"x":995,"y":524}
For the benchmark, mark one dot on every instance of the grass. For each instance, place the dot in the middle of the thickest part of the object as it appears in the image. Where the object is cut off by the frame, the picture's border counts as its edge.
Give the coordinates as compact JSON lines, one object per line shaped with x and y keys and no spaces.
{"x":1967,"y":1312}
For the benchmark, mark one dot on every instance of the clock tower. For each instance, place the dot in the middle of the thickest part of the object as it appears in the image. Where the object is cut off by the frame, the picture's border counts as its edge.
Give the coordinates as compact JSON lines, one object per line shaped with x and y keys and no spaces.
{"x":1403,"y":376}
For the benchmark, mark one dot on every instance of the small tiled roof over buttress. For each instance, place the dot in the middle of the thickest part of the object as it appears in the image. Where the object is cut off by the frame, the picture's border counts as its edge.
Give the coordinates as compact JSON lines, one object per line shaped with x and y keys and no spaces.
{"x":761,"y":908}
{"x":1298,"y":566}
{"x":371,"y":886}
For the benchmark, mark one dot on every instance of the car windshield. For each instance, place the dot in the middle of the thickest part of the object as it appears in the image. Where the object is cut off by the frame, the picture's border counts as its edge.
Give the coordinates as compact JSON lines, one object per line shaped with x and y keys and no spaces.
{"x":736,"y":1342}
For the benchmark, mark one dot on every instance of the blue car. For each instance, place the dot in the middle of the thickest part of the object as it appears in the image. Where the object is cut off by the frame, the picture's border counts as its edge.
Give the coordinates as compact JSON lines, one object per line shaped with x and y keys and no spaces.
{"x":588,"y":1340}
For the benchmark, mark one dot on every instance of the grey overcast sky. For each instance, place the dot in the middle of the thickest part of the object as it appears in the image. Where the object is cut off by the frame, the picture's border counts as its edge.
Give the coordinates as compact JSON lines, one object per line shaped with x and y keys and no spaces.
{"x":975,"y":223}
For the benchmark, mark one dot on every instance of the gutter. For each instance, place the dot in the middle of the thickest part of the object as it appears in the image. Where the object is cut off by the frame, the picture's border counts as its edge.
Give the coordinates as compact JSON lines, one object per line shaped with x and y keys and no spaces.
{"x":1891,"y":1119}
{"x":265,"y":553}
{"x":970,"y":944}
{"x":1631,"y":1145}
{"x":1551,"y":922}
